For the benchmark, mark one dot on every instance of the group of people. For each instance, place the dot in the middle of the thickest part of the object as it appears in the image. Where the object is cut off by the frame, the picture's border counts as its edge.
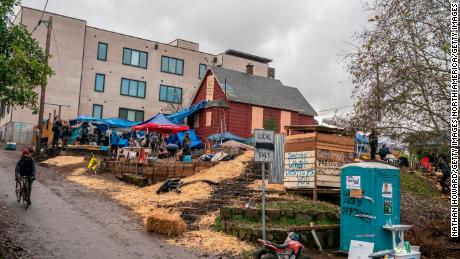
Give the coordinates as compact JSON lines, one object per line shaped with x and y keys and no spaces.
{"x":61,"y":129}
{"x":88,"y":133}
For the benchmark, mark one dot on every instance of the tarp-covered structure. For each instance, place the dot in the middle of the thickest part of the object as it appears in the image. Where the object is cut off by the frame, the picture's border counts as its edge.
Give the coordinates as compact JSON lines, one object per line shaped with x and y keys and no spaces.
{"x":110,"y":122}
{"x":224,"y":136}
{"x":160,"y":123}
{"x":180,"y":116}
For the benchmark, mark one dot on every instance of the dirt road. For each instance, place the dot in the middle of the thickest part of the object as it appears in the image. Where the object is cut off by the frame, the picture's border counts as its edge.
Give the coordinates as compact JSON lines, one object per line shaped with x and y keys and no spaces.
{"x":66,"y":222}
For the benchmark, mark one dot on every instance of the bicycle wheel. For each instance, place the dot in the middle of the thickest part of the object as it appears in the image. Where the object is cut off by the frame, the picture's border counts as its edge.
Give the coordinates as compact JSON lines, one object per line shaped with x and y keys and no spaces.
{"x":18,"y":191}
{"x":25,"y":195}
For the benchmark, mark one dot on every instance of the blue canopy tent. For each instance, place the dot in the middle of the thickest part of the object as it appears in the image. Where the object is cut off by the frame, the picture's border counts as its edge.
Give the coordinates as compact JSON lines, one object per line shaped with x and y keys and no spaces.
{"x":184,"y":113}
{"x":224,"y":136}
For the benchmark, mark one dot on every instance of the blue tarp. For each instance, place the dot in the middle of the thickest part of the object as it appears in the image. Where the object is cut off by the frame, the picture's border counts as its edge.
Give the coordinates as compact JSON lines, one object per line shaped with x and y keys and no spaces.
{"x":196,"y":142}
{"x":362,"y":139}
{"x":119,"y":123}
{"x":226,"y":136}
{"x":111,"y":122}
{"x":184,"y":113}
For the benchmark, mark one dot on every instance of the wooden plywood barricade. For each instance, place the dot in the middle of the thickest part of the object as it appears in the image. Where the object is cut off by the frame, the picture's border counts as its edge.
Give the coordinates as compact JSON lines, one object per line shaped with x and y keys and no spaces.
{"x":327,"y":153}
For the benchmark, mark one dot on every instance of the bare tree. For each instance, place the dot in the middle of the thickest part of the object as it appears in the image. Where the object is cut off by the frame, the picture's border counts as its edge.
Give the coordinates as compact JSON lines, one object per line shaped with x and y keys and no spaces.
{"x":400,"y":69}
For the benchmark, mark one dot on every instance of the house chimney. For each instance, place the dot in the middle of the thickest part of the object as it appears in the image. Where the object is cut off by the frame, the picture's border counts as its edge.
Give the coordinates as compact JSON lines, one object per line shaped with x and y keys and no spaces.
{"x":271,"y":72}
{"x":250,"y":69}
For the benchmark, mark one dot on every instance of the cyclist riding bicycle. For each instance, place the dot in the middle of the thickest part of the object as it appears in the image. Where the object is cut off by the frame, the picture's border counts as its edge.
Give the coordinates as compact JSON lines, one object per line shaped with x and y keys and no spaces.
{"x":25,"y":168}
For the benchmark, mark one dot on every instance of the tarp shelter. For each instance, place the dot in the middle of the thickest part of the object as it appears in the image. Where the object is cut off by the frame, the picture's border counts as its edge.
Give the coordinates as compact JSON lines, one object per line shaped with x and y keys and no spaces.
{"x":110,"y":122}
{"x":184,"y":113}
{"x":160,"y":123}
{"x":224,"y":136}
{"x":196,"y":142}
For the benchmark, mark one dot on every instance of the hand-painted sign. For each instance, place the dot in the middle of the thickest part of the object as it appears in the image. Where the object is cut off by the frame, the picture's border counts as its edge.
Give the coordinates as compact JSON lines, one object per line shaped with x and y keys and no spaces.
{"x":353,"y":182}
{"x":264,"y":145}
{"x":299,"y":169}
{"x":335,"y":155}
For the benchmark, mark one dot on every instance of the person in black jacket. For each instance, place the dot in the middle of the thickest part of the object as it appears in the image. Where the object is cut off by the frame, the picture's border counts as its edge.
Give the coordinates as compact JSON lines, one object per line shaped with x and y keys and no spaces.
{"x":56,"y":132}
{"x":445,"y":169}
{"x":373,"y":143}
{"x":25,"y":167}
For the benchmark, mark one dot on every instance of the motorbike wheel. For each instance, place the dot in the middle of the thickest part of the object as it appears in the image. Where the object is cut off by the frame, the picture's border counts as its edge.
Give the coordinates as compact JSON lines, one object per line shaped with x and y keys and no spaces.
{"x":263,"y":253}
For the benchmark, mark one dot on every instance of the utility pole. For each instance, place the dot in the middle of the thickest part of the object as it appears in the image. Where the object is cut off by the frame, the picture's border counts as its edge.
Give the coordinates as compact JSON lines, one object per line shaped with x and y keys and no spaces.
{"x":43,"y":87}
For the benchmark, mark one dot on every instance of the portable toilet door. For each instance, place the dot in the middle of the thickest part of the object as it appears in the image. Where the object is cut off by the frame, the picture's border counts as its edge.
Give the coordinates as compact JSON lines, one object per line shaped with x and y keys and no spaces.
{"x":387,"y":205}
{"x":369,"y":198}
{"x":357,"y":206}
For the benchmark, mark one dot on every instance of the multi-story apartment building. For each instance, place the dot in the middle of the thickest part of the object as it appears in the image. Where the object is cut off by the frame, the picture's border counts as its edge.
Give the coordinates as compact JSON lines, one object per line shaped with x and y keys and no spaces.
{"x":108,"y":74}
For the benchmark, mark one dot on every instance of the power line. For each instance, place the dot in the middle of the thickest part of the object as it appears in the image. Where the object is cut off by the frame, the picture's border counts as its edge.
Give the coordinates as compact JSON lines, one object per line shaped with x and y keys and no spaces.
{"x":41,"y":17}
{"x":335,"y":108}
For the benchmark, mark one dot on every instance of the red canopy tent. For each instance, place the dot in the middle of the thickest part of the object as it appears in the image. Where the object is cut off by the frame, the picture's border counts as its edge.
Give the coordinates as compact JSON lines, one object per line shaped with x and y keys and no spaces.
{"x":160,"y":123}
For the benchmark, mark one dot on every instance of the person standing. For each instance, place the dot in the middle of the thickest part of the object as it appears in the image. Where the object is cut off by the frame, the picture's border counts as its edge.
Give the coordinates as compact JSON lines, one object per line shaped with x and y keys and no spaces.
{"x":373,"y":143}
{"x":56,"y":132}
{"x":65,"y":134}
{"x":445,"y":169}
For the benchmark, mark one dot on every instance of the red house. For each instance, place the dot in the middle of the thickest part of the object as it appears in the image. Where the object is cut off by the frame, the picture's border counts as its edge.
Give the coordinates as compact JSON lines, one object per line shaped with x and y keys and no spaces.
{"x":241,"y":102}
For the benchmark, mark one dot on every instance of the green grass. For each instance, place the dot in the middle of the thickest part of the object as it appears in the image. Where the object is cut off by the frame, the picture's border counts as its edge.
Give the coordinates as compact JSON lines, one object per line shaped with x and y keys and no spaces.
{"x":283,"y":222}
{"x":417,"y":186}
{"x":301,"y":205}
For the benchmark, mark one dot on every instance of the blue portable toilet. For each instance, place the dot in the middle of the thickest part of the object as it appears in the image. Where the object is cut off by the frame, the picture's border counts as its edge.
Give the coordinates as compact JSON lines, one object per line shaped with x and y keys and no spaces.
{"x":369,"y":199}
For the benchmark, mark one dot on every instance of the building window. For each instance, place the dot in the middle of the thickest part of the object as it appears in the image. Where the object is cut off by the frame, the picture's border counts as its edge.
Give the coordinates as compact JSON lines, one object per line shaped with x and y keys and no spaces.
{"x":97,"y":111}
{"x":132,"y":115}
{"x":170,"y":94}
{"x":132,"y":88}
{"x":135,"y":58}
{"x":102,"y":51}
{"x":202,"y":71}
{"x":208,"y":121}
{"x":172,"y":65}
{"x":99,"y":83}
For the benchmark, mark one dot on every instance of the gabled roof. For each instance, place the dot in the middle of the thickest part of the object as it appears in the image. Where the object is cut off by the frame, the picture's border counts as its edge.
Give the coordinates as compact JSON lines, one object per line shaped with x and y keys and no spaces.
{"x":263,"y":91}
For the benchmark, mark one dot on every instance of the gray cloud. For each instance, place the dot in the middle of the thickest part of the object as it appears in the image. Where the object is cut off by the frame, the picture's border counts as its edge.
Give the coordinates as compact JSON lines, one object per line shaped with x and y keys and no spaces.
{"x":303,"y":38}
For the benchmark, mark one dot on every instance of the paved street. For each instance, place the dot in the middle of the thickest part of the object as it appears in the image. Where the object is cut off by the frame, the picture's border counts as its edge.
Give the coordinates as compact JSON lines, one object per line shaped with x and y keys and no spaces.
{"x":66,"y":223}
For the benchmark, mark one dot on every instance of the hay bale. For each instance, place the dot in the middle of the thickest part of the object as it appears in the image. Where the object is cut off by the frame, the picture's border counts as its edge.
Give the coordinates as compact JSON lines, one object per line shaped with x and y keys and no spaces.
{"x":165,"y":223}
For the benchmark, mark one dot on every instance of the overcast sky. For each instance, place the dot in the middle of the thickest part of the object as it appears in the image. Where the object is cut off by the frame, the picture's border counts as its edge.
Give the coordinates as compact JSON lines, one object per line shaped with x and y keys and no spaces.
{"x":304,"y":38}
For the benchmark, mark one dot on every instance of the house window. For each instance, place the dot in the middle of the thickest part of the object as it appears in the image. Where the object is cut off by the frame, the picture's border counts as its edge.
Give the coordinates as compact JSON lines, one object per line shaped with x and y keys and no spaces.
{"x":97,"y":111}
{"x":202,"y":71}
{"x":135,"y":58}
{"x":132,"y":115}
{"x":132,"y":88}
{"x":196,"y":123}
{"x":99,"y":83}
{"x":172,"y":65}
{"x":170,"y":94}
{"x":208,"y":122}
{"x":102,"y":51}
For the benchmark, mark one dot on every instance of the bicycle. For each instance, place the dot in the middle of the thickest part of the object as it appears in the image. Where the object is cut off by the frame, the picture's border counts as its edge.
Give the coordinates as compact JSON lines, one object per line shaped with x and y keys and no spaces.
{"x":95,"y":166}
{"x":22,"y":193}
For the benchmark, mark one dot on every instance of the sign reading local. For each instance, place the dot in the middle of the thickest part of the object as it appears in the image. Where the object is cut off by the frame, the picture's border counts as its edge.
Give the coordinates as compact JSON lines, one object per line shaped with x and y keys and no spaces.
{"x":264,"y":148}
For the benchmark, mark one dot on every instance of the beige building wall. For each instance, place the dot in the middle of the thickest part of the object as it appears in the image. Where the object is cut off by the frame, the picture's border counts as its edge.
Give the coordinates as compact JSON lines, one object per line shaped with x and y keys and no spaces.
{"x":239,"y":64}
{"x":66,"y":50}
{"x":114,"y":70}
{"x":73,"y":52}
